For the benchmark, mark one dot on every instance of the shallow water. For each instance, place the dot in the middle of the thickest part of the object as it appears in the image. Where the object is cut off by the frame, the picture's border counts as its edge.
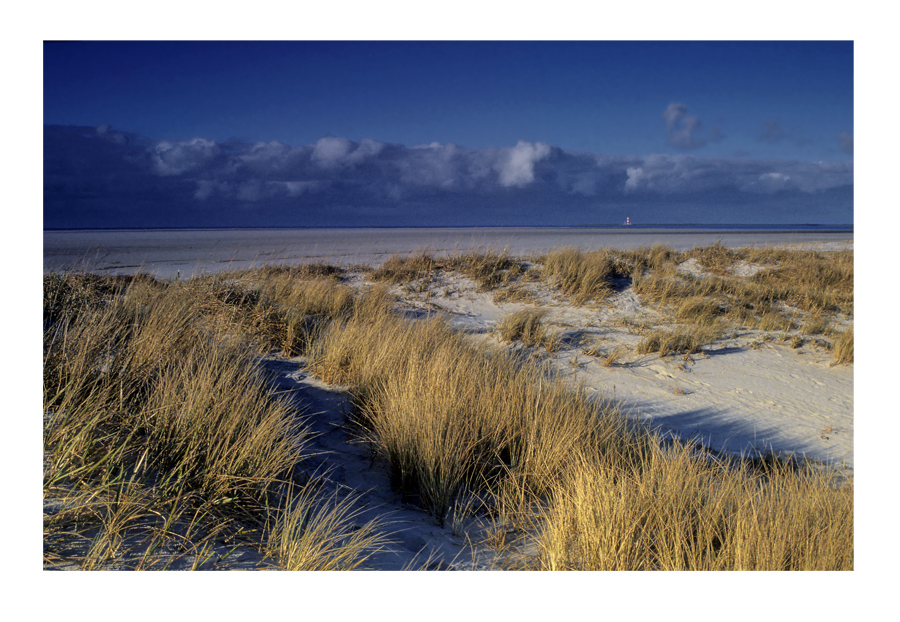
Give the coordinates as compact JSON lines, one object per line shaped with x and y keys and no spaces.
{"x":171,"y":253}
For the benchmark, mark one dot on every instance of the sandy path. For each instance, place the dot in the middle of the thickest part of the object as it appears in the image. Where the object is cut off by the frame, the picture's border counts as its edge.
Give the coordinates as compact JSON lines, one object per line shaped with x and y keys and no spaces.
{"x":351,"y":470}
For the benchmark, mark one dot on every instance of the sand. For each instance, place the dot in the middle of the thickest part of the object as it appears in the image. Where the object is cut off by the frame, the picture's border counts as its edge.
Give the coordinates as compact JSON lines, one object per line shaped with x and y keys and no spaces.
{"x":744,"y":395}
{"x":171,"y":253}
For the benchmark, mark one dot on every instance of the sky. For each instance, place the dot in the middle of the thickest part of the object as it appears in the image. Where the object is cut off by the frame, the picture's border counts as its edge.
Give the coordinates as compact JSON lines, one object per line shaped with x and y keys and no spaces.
{"x":428,"y":133}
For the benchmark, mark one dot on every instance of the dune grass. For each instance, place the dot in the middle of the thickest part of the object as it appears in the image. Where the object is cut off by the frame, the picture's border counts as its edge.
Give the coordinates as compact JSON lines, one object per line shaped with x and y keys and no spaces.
{"x":585,"y":276}
{"x":448,"y":417}
{"x":445,"y":414}
{"x":489,"y":269}
{"x":678,"y":342}
{"x":843,"y":348}
{"x":674,"y":511}
{"x":788,"y":289}
{"x":526,"y":325}
{"x":815,"y":283}
{"x":160,"y":436}
{"x":162,"y":440}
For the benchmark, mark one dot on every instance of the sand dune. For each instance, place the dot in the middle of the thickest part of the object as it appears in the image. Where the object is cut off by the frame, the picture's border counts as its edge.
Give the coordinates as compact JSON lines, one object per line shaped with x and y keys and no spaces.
{"x":745,"y":394}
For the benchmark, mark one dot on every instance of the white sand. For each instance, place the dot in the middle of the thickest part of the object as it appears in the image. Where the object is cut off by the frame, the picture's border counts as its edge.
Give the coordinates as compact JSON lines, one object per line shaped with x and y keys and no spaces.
{"x":743,"y":395}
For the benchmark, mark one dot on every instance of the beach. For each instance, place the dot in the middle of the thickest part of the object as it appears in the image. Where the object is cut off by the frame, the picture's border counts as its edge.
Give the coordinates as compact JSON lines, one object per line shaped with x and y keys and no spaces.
{"x":748,"y":393}
{"x":185,"y":252}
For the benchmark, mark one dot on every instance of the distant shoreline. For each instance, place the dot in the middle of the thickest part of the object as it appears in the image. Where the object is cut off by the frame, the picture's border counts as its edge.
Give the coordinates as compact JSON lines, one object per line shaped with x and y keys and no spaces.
{"x":182,"y":252}
{"x":826,"y":228}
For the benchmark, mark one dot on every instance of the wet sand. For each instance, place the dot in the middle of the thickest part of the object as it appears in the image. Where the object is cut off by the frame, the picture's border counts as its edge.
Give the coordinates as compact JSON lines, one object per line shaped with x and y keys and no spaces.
{"x":170,"y":253}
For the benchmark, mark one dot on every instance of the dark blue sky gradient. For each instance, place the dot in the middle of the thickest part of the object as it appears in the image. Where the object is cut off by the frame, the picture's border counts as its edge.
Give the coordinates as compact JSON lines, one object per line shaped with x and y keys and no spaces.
{"x":750,"y":105}
{"x":604,"y":97}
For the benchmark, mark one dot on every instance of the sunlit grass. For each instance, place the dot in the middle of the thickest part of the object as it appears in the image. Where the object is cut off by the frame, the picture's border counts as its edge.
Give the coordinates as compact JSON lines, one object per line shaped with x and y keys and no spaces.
{"x":162,"y":438}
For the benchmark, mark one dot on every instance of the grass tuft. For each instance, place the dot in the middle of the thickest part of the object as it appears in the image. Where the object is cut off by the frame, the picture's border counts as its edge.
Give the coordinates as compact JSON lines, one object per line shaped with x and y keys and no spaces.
{"x":842,"y":351}
{"x":526,"y":326}
{"x":672,"y":342}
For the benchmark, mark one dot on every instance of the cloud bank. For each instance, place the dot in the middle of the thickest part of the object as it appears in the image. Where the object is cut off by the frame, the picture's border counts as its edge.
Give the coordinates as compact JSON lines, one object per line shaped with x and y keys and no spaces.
{"x":102,"y":177}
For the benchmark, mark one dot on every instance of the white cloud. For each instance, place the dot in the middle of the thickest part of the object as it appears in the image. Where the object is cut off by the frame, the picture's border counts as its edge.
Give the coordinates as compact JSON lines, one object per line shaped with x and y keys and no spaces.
{"x":516,"y":164}
{"x":370,"y":179}
{"x":366,"y":149}
{"x":329,"y":150}
{"x":768,"y":183}
{"x":180,"y":157}
{"x":434,"y":165}
{"x":635,"y":173}
{"x":256,"y":172}
{"x":206,"y":189}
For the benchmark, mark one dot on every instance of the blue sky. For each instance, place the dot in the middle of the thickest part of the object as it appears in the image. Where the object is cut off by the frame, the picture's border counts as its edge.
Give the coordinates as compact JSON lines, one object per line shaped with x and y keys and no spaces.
{"x":405,"y":132}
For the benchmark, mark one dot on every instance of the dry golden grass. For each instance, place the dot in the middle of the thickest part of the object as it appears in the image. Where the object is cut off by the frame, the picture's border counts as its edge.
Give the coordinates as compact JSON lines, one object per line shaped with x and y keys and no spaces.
{"x":445,"y":414}
{"x":161,"y":437}
{"x":793,"y":289}
{"x":316,"y":533}
{"x":843,"y":348}
{"x":613,"y":357}
{"x":526,"y":325}
{"x":404,"y":269}
{"x":584,"y":276}
{"x":487,"y":268}
{"x":699,"y":311}
{"x":514,"y":293}
{"x":715,"y":258}
{"x":160,"y":430}
{"x":670,"y":342}
{"x":674,"y":511}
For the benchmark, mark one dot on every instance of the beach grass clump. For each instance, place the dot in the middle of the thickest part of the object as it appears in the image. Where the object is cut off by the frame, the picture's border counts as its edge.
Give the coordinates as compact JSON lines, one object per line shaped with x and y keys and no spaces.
{"x":318,"y":532}
{"x":842,"y":349}
{"x":678,"y":342}
{"x":146,"y":416}
{"x":162,"y":438}
{"x":489,"y":269}
{"x":446,"y":415}
{"x":302,"y":271}
{"x":140,"y":398}
{"x":614,"y":356}
{"x":526,"y":325}
{"x":715,"y":258}
{"x":398,"y":269}
{"x":699,"y":311}
{"x":638,"y":260}
{"x":787,"y":285}
{"x":814,"y":325}
{"x":281,"y":308}
{"x":674,"y":511}
{"x":514,"y":293}
{"x":584,"y":276}
{"x":811,"y":281}
{"x":773,"y":321}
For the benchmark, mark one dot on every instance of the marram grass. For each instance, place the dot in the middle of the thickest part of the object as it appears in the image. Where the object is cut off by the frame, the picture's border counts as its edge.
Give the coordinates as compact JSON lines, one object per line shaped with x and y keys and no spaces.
{"x":160,"y":430}
{"x":161,"y":436}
